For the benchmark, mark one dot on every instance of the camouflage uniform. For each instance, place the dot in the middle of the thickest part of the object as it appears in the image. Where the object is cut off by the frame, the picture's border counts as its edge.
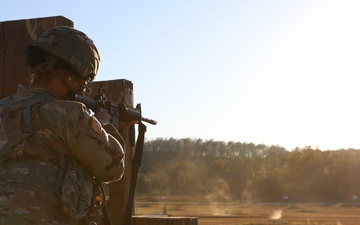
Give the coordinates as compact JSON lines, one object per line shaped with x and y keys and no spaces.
{"x":34,"y":180}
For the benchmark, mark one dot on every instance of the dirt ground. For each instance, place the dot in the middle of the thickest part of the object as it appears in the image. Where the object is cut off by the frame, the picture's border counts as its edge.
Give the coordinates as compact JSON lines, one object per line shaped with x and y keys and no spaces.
{"x":256,"y":213}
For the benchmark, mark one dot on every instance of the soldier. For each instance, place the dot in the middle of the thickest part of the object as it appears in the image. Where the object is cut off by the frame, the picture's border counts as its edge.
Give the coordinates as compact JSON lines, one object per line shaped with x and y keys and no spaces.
{"x":55,"y":154}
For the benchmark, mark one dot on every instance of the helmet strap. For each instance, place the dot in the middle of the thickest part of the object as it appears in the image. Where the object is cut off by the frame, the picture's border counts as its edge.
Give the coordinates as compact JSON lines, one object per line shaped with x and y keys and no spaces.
{"x":87,"y":89}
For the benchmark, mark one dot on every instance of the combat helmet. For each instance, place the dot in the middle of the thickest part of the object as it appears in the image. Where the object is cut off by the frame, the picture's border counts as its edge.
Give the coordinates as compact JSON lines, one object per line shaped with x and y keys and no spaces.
{"x":72,"y":46}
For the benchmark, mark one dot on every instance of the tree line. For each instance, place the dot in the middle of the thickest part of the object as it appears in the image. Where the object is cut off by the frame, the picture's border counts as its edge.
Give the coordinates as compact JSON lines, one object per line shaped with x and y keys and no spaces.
{"x":215,"y":170}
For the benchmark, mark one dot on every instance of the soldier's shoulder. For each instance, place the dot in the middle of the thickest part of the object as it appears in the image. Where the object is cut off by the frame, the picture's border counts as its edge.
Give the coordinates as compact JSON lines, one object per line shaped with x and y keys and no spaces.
{"x":63,"y":107}
{"x":68,"y":103}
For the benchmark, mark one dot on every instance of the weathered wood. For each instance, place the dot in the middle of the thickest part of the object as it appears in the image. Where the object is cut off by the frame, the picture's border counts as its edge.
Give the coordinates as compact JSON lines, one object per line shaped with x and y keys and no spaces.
{"x":14,"y":37}
{"x":163,"y":220}
{"x":120,"y":91}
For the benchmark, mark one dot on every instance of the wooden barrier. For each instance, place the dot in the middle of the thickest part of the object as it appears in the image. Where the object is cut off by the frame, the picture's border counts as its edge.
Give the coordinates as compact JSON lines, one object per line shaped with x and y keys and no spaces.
{"x":14,"y":37}
{"x":118,"y":91}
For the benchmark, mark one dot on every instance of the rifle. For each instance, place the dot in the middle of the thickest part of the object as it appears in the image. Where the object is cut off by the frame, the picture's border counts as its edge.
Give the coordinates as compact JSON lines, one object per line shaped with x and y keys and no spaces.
{"x":118,"y":111}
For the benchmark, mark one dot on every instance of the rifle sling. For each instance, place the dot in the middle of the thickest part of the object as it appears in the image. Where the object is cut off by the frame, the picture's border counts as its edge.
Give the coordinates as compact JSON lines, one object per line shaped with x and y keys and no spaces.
{"x":134,"y":172}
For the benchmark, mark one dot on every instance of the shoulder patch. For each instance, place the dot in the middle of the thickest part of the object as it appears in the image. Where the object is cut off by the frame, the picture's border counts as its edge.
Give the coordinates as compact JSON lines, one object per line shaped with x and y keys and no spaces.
{"x":95,"y":125}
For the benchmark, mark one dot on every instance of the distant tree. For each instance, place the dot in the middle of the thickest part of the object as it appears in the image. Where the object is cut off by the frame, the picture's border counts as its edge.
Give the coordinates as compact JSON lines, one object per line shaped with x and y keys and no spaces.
{"x":247,"y":171}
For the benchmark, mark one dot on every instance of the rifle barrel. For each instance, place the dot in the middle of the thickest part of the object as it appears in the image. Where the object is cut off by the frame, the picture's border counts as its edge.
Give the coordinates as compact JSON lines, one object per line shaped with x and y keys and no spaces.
{"x":153,"y":122}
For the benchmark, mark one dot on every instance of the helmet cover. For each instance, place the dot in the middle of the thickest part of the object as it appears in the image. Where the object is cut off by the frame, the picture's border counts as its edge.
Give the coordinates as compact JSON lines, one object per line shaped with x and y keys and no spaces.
{"x":72,"y":46}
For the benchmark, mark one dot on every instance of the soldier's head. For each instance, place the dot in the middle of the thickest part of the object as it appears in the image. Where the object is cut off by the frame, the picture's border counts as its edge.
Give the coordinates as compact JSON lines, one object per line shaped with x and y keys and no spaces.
{"x":66,"y":53}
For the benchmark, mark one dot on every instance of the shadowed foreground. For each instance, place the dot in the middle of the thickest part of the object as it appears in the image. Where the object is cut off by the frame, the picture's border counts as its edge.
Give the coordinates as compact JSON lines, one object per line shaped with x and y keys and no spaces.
{"x":256,"y":214}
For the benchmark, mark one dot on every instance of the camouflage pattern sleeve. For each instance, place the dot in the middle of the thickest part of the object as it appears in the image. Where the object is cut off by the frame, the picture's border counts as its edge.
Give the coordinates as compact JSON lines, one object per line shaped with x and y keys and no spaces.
{"x":70,"y":129}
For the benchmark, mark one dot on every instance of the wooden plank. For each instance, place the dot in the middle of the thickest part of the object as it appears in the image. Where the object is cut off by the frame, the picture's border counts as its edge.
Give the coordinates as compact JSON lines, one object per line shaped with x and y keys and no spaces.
{"x":163,"y":220}
{"x":118,"y":91}
{"x":16,"y":35}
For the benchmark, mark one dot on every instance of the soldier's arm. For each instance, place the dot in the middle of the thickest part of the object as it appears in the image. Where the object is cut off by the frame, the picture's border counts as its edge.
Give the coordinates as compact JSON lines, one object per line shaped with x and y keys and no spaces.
{"x":88,"y":142}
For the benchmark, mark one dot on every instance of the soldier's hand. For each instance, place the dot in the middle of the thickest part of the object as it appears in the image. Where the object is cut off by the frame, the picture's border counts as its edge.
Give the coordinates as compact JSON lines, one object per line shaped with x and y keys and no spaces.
{"x":123,"y":124}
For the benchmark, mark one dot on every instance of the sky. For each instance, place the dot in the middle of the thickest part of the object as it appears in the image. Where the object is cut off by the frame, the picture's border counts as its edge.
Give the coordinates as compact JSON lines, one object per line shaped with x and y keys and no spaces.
{"x":273,"y":72}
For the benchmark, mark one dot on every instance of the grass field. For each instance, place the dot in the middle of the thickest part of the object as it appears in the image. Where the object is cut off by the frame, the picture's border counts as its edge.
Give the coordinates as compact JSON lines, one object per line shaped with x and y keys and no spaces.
{"x":255,"y":213}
